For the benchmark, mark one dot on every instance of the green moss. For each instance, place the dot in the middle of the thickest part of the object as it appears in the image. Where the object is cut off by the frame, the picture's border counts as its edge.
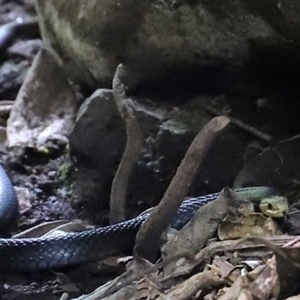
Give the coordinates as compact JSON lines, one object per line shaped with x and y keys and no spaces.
{"x":44,"y":151}
{"x":64,"y":171}
{"x":175,"y":127}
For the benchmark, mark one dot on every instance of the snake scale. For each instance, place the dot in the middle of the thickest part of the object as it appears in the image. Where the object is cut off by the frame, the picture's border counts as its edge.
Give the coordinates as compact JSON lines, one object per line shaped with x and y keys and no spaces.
{"x":34,"y":254}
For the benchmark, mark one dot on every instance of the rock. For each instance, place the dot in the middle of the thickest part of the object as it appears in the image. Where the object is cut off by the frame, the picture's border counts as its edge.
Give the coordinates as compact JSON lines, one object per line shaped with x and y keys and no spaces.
{"x":96,"y":155}
{"x":43,"y":113}
{"x":242,"y":46}
{"x":25,"y":49}
{"x":96,"y":145}
{"x":98,"y":139}
{"x":11,"y":77}
{"x":24,"y":196}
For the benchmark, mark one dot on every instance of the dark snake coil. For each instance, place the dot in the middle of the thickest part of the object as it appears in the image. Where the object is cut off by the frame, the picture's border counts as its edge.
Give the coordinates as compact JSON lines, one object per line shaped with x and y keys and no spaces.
{"x":33,"y":254}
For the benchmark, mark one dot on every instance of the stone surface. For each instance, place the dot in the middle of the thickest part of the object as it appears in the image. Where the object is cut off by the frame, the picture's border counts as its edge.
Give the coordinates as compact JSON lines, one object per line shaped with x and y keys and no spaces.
{"x":97,"y":142}
{"x":11,"y":78}
{"x":96,"y":145}
{"x":43,"y":113}
{"x":241,"y":46}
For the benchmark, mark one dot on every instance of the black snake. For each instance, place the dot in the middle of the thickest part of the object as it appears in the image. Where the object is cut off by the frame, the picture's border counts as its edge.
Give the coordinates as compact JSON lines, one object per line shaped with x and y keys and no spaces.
{"x":33,"y":254}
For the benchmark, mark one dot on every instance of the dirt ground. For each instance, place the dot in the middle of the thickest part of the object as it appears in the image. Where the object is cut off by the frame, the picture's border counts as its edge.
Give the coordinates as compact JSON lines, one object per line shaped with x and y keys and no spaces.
{"x":41,"y":177}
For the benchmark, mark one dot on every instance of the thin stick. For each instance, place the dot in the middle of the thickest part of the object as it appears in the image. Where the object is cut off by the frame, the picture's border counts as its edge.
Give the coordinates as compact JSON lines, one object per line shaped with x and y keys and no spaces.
{"x":240,"y":124}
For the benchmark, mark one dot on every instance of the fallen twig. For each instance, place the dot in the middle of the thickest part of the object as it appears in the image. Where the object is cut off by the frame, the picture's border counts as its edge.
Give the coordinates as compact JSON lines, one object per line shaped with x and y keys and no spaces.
{"x":242,"y":244}
{"x":124,"y":284}
{"x":133,"y":274}
{"x":240,"y":124}
{"x":187,"y":289}
{"x":276,"y":250}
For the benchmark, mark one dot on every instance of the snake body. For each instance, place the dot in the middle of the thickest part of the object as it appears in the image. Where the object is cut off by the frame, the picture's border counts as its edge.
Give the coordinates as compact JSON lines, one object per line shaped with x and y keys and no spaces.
{"x":34,"y":254}
{"x":9,"y":205}
{"x":10,"y":31}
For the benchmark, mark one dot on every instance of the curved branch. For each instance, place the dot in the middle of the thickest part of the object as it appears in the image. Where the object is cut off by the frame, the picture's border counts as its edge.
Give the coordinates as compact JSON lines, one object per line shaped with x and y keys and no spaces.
{"x":132,"y":149}
{"x":149,"y":234}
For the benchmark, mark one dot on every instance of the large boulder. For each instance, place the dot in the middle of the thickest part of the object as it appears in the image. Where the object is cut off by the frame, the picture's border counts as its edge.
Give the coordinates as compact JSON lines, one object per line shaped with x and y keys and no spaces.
{"x":239,"y":45}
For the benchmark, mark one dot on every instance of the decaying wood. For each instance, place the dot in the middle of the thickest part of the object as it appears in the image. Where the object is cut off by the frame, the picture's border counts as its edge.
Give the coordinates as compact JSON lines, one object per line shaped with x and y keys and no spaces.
{"x":130,"y":284}
{"x":148,"y":236}
{"x":257,"y":248}
{"x":272,"y":246}
{"x":126,"y":280}
{"x":265,"y":285}
{"x":192,"y":285}
{"x":242,"y":244}
{"x":133,"y":147}
{"x":234,"y":291}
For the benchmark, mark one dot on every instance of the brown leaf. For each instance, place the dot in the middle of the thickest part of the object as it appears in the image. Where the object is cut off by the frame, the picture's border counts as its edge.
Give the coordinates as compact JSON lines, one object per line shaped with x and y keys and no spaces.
{"x":266,"y":284}
{"x":255,"y":224}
